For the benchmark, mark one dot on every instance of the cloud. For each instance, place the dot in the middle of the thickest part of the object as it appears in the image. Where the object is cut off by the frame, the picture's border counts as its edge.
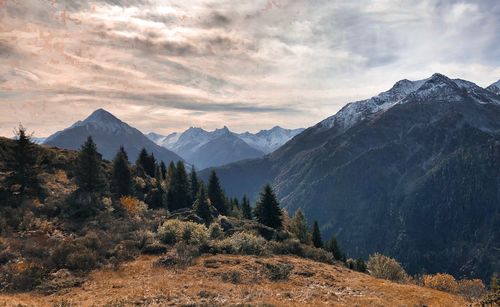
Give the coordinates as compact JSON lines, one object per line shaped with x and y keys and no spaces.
{"x":166,"y":66}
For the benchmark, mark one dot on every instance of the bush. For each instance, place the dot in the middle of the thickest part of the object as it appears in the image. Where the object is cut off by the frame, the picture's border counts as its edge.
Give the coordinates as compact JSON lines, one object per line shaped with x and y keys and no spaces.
{"x":175,"y":231}
{"x":182,"y":255}
{"x":381,"y":266}
{"x":294,"y":247}
{"x":278,"y":271}
{"x":132,"y":205}
{"x":442,"y":282}
{"x":215,"y":231}
{"x":241,"y":243}
{"x":231,"y":276}
{"x":471,"y":289}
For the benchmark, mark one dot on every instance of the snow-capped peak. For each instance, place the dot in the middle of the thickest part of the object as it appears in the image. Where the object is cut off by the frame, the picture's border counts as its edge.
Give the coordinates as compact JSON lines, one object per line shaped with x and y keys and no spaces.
{"x":494,"y":88}
{"x":438,"y":87}
{"x":356,"y":111}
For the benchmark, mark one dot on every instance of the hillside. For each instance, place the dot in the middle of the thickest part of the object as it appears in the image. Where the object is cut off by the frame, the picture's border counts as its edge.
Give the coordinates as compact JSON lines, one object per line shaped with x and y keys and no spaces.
{"x":412,"y":172}
{"x":211,"y":282}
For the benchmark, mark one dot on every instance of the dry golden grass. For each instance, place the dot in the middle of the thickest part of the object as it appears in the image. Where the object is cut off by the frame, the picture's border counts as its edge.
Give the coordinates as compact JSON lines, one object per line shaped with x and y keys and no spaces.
{"x":229,"y":280}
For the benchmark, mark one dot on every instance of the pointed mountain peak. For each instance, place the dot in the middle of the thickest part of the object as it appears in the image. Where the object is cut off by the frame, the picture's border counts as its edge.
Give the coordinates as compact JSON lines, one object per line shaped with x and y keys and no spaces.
{"x":100,"y":115}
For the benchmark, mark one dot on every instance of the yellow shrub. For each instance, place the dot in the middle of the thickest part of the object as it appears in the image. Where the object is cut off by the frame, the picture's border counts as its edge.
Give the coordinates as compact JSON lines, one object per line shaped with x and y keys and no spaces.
{"x":175,"y":231}
{"x":471,"y":288}
{"x":380,"y":266}
{"x":61,"y":176}
{"x":442,"y":282}
{"x":132,"y":205}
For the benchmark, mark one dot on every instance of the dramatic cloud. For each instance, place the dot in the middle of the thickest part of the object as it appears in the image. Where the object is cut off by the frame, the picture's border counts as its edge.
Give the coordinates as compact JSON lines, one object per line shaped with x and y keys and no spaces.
{"x":168,"y":65}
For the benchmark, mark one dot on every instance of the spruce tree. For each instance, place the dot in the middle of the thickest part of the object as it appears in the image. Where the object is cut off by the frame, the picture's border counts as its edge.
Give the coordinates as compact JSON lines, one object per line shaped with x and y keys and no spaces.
{"x":163,"y":168}
{"x":267,"y":210}
{"x":141,"y":162}
{"x":332,"y":246}
{"x":25,"y":164}
{"x":121,"y":181}
{"x":146,"y":162}
{"x":179,"y":189}
{"x":316,"y":236}
{"x":216,"y":194}
{"x":202,"y":206}
{"x":245,"y":208}
{"x":299,"y":226}
{"x":194,"y":184}
{"x":89,"y":174}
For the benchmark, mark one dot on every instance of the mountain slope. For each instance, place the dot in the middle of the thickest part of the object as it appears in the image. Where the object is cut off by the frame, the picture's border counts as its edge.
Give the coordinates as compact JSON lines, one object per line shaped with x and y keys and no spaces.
{"x":413,"y":173}
{"x":223,"y":150}
{"x":109,"y":133}
{"x":206,"y":284}
{"x":494,"y":88}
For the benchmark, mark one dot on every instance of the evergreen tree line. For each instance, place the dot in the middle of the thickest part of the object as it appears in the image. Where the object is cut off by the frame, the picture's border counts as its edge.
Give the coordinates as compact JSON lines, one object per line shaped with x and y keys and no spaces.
{"x":172,"y":188}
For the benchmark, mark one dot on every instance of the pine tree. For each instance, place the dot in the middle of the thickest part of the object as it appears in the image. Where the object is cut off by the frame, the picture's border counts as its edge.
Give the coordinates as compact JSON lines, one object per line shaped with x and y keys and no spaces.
{"x":25,"y":164}
{"x":216,"y":194}
{"x":202,"y":206}
{"x":316,"y":236}
{"x":267,"y":210}
{"x":299,"y":226}
{"x":332,"y":246}
{"x":179,"y":189}
{"x":141,"y":162}
{"x":163,"y":168}
{"x":89,"y":174}
{"x":245,"y":208}
{"x":121,"y":181}
{"x":194,"y":184}
{"x":146,"y":162}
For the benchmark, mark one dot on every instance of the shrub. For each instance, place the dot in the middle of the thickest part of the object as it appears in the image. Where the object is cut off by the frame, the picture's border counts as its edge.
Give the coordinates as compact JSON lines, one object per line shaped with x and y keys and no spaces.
{"x":381,"y":266}
{"x":154,"y":249}
{"x":132,"y":205}
{"x":175,"y":231}
{"x":442,"y":282}
{"x":182,"y":255}
{"x":215,"y":231}
{"x":471,"y":289}
{"x":231,"y":276}
{"x":242,"y":243}
{"x":278,"y":271}
{"x":294,"y":247}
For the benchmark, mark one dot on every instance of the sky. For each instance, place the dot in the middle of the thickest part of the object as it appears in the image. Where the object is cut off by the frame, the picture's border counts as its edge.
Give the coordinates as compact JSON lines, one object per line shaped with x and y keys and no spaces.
{"x":164,"y":65}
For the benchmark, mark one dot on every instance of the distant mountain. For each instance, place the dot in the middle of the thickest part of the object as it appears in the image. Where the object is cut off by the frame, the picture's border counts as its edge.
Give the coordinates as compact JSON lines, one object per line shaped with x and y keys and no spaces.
{"x":494,"y":88}
{"x":412,"y":172}
{"x":221,"y":146}
{"x":268,"y":141}
{"x":109,"y":133}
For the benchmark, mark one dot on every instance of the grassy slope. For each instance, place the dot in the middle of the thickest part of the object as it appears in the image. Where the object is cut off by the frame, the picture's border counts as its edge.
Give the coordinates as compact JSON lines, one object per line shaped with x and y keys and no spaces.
{"x":139,"y":283}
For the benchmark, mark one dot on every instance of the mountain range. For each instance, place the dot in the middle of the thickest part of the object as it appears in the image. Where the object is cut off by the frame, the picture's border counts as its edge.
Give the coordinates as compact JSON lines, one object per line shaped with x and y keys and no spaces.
{"x":221,"y":146}
{"x":109,"y":133}
{"x":413,"y":172}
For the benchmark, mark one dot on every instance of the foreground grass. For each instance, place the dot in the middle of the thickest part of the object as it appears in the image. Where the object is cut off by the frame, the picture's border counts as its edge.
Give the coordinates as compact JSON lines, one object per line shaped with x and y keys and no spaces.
{"x":235,"y":280}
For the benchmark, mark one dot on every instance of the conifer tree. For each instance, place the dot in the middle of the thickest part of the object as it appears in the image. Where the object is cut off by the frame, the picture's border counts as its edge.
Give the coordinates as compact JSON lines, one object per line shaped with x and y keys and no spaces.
{"x":202,"y":206}
{"x":141,"y":162}
{"x":170,"y":173}
{"x":215,"y":194}
{"x":332,"y":246}
{"x":299,"y":226}
{"x":316,"y":236}
{"x":194,"y":184}
{"x":267,"y":210}
{"x":245,"y":208}
{"x":121,"y":181}
{"x":163,"y":168}
{"x":179,"y":189}
{"x":146,"y":162}
{"x":25,"y":164}
{"x":89,"y":174}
